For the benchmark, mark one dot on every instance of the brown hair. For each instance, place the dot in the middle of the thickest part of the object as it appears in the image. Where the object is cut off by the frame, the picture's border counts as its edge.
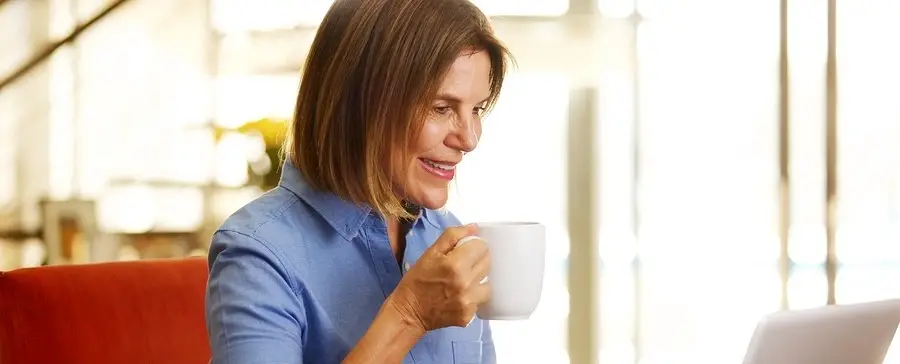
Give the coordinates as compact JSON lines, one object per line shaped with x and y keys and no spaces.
{"x":373,"y":67}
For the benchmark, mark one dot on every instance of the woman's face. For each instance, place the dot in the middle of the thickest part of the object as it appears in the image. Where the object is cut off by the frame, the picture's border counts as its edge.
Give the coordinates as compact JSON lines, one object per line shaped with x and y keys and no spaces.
{"x":452,"y":129}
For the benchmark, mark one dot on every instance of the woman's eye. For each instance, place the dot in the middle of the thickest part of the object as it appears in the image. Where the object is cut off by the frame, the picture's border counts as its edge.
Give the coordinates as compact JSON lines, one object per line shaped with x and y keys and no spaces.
{"x":442,"y":109}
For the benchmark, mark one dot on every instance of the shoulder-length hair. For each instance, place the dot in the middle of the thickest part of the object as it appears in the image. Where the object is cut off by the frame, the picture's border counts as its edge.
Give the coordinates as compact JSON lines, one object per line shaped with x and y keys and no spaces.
{"x":372,"y":70}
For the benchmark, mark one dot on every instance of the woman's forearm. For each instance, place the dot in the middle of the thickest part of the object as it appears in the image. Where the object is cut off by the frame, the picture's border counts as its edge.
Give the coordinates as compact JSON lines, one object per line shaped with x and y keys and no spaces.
{"x":388,"y":339}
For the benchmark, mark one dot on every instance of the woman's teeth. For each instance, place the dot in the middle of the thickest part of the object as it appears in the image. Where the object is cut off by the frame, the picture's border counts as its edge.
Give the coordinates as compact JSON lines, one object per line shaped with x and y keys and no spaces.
{"x":437,"y":165}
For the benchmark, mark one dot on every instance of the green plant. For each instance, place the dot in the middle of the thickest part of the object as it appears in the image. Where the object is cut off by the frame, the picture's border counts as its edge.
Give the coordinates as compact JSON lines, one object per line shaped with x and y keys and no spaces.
{"x":272,"y":132}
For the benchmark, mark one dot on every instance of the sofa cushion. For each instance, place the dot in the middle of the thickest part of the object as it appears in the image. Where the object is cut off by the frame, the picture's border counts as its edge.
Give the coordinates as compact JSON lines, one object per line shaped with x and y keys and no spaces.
{"x":122,"y":312}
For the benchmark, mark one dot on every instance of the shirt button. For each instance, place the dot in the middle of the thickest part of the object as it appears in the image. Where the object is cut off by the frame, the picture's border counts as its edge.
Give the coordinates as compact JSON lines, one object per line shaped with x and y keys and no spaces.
{"x":406,"y":267}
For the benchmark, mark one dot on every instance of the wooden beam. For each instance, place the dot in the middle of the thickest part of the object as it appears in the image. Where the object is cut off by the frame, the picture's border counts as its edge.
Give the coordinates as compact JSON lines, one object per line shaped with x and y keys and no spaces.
{"x":19,"y":235}
{"x":48,"y":51}
{"x":785,"y":265}
{"x":831,"y":153}
{"x":584,"y":300}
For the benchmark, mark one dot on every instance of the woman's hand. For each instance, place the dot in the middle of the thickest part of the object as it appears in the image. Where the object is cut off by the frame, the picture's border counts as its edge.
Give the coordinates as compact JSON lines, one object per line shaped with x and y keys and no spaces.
{"x":444,"y":287}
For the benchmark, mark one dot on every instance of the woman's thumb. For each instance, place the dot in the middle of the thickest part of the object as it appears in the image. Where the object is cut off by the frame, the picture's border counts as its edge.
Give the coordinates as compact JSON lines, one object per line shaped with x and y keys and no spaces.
{"x":451,"y":237}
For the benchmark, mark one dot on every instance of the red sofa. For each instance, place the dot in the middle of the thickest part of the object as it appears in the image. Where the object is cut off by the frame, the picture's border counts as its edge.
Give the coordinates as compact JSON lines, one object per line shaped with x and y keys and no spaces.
{"x":107,"y":313}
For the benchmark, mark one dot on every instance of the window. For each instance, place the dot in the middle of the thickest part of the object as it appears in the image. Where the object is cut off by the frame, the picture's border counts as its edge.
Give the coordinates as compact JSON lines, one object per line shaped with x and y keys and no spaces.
{"x":8,"y":172}
{"x":240,"y":99}
{"x":15,"y":48}
{"x":707,"y":182}
{"x":160,"y":208}
{"x":143,"y":97}
{"x":10,"y":119}
{"x":15,"y":37}
{"x":518,"y":173}
{"x":807,"y":39}
{"x":807,"y":286}
{"x":86,"y":9}
{"x":868,"y":153}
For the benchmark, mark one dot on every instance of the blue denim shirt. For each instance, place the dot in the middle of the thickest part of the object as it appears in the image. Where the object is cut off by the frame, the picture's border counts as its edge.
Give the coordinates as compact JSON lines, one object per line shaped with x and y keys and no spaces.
{"x":297,"y":276}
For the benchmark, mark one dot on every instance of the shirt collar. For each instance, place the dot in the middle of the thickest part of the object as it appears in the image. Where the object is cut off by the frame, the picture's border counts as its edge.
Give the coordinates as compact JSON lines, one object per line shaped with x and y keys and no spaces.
{"x":344,"y":216}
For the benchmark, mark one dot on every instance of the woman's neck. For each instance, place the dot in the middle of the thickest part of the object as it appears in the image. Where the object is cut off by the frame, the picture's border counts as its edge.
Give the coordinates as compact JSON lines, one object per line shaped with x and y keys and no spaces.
{"x":397,"y":230}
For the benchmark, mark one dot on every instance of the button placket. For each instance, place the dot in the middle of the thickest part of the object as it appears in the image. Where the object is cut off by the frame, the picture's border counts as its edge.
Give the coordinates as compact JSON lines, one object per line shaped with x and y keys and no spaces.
{"x":389,"y":273}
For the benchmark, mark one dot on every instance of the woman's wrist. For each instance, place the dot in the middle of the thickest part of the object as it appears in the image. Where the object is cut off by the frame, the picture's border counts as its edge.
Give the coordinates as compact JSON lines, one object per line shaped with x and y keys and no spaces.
{"x":394,"y":315}
{"x":401,"y":303}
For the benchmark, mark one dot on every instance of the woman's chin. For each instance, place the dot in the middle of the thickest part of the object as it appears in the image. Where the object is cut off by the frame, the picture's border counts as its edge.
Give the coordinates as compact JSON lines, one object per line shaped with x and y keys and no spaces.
{"x":430,"y":198}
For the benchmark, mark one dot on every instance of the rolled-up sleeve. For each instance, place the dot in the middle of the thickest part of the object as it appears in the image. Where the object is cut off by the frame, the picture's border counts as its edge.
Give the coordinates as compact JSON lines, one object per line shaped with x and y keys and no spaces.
{"x":253,"y":313}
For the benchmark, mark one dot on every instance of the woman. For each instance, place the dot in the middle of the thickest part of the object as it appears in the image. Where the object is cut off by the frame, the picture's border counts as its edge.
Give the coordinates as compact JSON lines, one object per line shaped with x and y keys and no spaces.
{"x":348,"y":260}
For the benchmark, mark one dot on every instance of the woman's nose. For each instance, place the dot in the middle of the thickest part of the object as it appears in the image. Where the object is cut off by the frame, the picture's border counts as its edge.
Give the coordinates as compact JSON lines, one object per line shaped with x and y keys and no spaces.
{"x":465,"y":136}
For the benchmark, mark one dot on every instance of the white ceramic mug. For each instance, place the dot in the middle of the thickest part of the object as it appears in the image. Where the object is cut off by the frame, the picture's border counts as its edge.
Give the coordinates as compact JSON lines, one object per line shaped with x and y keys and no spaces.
{"x":517,"y":268}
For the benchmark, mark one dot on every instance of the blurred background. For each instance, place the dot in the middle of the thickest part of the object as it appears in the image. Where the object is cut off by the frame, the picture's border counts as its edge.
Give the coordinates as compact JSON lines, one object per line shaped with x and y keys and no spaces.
{"x":698,"y":163}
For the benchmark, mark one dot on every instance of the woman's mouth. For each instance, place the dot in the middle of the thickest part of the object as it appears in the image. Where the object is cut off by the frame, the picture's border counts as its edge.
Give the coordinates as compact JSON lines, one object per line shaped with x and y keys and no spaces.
{"x":440,"y":169}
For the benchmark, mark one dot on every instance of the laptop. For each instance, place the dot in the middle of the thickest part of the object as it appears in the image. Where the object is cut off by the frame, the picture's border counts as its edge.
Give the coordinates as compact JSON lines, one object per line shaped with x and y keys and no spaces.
{"x":839,"y":334}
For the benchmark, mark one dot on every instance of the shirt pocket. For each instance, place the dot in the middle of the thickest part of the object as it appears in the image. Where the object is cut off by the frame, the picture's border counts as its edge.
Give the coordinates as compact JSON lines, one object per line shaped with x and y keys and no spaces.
{"x":466,"y":352}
